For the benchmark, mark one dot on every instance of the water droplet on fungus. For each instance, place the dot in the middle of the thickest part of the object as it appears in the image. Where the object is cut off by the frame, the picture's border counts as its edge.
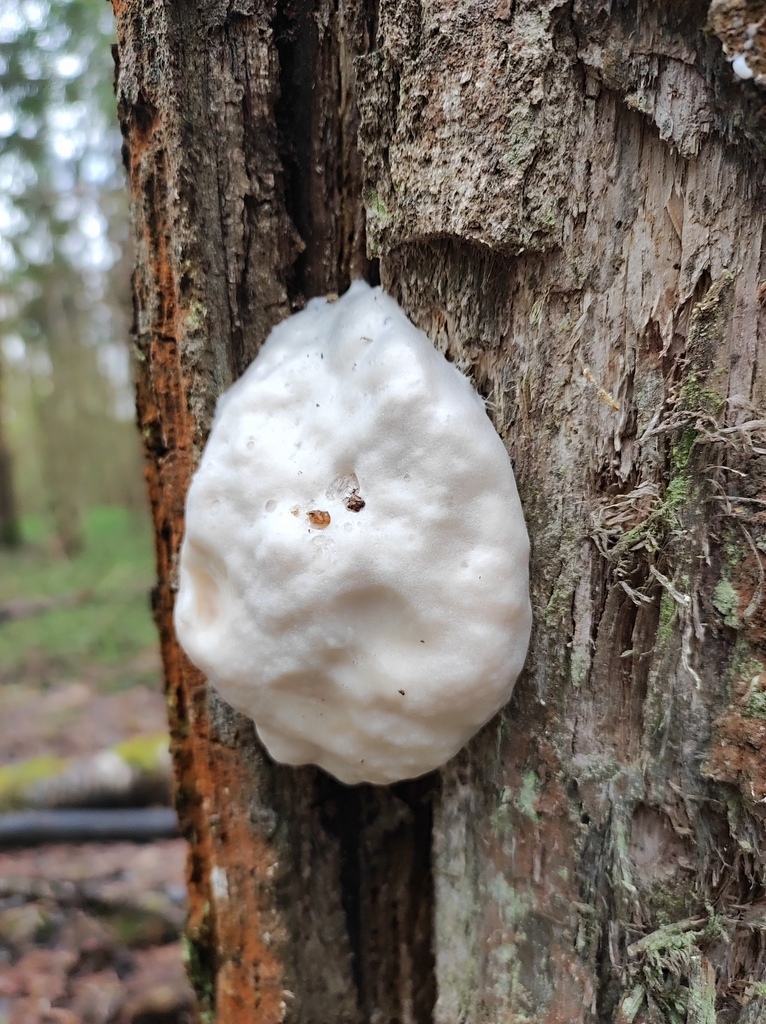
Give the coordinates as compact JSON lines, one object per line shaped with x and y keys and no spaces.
{"x":342,"y":487}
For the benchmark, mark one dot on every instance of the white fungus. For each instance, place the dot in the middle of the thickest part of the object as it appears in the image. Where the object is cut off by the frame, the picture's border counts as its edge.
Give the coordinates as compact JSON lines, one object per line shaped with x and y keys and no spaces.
{"x":741,"y":68}
{"x":354,"y":575}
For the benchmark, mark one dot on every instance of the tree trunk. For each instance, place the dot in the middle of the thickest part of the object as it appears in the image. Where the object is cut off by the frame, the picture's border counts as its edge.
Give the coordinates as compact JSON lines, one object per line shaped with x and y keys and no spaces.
{"x":10,"y":529}
{"x":568,"y":199}
{"x":62,"y":404}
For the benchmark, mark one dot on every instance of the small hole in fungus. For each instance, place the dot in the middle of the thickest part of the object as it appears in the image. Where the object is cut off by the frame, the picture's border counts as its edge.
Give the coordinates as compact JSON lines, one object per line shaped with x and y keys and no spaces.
{"x":270,"y":505}
{"x":251,"y":443}
{"x":354,"y":503}
{"x":402,"y":692}
{"x":318,"y":519}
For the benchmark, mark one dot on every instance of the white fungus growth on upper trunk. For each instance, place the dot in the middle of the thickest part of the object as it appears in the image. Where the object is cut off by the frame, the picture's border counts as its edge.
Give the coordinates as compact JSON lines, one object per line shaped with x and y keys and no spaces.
{"x":354,"y":575}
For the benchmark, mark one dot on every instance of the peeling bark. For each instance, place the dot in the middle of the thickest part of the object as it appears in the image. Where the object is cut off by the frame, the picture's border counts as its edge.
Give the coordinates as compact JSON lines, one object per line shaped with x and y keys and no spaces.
{"x":568,"y":197}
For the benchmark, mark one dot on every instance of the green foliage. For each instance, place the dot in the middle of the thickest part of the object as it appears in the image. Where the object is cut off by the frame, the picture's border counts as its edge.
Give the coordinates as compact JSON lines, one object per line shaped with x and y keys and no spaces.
{"x":106,"y":632}
{"x":57,"y":112}
{"x":63,"y":287}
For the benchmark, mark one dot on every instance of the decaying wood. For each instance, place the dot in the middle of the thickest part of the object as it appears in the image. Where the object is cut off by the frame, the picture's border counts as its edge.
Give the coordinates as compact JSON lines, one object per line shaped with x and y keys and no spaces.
{"x":568,"y":197}
{"x":132,"y":773}
{"x":130,"y":824}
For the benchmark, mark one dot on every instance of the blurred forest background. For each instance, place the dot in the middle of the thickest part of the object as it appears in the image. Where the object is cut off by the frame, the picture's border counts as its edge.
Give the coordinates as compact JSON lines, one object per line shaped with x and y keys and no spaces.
{"x":89,"y":931}
{"x":73,"y":521}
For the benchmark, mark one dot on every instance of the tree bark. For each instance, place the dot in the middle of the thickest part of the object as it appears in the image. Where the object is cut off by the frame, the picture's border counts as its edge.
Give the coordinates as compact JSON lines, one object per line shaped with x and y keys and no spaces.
{"x":568,"y":198}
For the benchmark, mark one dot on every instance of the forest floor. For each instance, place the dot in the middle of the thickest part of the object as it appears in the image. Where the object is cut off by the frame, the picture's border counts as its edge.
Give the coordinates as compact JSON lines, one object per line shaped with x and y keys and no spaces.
{"x":89,"y":933}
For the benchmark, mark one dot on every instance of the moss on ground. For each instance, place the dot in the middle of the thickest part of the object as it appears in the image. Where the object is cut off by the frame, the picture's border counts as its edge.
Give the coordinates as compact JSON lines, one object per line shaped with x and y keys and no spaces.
{"x":15,"y":779}
{"x":144,"y":752}
{"x":109,"y":630}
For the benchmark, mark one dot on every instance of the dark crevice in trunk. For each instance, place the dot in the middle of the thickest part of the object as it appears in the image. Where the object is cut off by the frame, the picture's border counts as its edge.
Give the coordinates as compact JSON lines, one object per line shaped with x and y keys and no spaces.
{"x":419,"y":911}
{"x":295,"y":36}
{"x":596,"y":889}
{"x":341,"y":815}
{"x":317,"y":123}
{"x":387,"y":892}
{"x":383,"y":835}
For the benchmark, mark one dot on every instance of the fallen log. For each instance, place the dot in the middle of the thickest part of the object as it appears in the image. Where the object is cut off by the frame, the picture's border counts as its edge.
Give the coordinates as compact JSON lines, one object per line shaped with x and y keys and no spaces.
{"x":134,"y":824}
{"x":133,"y":773}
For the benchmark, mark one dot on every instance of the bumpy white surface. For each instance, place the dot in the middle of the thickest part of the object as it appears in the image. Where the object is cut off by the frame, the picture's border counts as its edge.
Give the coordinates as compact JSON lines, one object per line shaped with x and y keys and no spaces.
{"x":354,"y":575}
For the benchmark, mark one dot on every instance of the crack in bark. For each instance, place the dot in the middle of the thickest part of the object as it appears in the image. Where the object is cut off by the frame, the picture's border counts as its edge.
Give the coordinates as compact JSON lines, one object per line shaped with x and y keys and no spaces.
{"x":384,"y":836}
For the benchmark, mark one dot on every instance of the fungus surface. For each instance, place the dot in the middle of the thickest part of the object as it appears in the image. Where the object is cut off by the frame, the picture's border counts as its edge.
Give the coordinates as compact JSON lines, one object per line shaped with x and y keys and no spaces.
{"x":354,"y":574}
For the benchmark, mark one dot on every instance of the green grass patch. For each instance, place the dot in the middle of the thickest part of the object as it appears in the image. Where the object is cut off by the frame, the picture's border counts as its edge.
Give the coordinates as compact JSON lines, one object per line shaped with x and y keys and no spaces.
{"x":109,"y":629}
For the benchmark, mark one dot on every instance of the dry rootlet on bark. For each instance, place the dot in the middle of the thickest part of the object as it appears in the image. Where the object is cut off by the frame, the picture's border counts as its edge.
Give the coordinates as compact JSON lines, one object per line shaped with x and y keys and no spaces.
{"x":567,"y":197}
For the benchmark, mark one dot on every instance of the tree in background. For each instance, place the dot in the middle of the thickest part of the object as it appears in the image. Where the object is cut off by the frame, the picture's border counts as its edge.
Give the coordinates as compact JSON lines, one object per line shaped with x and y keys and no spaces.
{"x":62,"y":305}
{"x":568,"y":197}
{"x":10,"y":530}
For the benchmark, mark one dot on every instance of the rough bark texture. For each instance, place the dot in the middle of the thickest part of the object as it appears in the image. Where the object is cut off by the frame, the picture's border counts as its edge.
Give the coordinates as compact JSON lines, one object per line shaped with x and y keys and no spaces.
{"x":568,"y":197}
